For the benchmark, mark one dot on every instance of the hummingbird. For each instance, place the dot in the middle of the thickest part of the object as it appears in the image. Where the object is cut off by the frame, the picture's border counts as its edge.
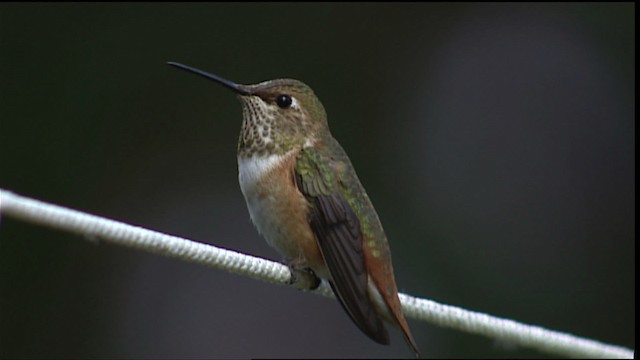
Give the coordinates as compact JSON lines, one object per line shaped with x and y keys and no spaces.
{"x":304,"y":197}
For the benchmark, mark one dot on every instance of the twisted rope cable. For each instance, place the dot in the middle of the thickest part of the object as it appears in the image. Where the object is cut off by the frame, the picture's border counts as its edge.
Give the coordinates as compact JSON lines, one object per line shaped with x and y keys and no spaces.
{"x":91,"y":226}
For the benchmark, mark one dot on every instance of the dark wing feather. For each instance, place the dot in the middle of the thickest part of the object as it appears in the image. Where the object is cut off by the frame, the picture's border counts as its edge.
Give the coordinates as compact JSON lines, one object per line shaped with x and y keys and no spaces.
{"x":337,"y":230}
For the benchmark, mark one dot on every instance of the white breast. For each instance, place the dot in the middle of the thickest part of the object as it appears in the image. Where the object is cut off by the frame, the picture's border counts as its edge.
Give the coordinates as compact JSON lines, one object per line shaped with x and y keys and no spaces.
{"x":251,"y":169}
{"x":259,"y":203}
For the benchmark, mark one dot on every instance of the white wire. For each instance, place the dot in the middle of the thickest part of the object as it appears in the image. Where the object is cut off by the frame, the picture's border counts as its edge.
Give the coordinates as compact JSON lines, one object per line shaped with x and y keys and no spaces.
{"x":91,"y":226}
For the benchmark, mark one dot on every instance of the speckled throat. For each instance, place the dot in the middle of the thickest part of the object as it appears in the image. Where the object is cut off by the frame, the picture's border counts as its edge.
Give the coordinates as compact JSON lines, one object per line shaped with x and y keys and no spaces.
{"x":266,"y":132}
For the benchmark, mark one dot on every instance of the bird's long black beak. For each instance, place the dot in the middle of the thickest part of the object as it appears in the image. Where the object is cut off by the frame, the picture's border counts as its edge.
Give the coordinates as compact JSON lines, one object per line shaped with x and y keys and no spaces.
{"x":240,"y":89}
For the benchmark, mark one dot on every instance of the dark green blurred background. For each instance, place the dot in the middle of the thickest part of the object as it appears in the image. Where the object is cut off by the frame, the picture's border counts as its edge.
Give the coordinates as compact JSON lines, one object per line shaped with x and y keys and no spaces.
{"x":495,"y":140}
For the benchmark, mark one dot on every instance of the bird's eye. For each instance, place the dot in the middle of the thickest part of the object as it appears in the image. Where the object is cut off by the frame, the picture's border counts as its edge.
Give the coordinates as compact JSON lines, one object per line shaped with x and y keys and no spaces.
{"x":284,"y":101}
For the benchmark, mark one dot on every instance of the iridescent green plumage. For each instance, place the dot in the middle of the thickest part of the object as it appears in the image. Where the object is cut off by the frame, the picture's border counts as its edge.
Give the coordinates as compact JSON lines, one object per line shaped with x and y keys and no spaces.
{"x":323,"y":178}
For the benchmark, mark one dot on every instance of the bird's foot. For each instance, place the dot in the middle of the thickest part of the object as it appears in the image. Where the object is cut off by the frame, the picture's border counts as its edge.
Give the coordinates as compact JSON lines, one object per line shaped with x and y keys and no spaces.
{"x":302,"y":277}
